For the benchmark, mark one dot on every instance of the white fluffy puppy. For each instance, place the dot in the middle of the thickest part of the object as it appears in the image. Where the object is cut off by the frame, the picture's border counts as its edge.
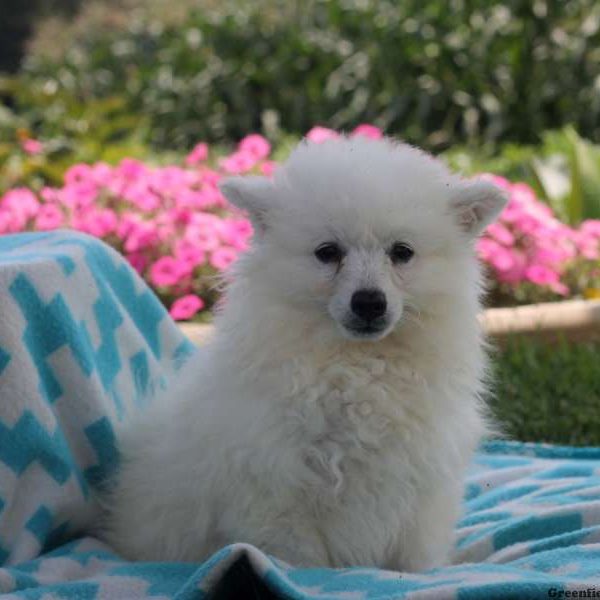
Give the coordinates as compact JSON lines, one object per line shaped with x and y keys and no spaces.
{"x":332,"y":417}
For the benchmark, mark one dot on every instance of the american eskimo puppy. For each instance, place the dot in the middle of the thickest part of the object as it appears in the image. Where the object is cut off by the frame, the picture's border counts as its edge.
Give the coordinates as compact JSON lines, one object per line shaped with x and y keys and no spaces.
{"x":332,"y":416}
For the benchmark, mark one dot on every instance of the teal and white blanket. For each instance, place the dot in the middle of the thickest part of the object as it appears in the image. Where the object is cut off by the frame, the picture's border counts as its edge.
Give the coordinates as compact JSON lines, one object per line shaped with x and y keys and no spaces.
{"x":83,"y":342}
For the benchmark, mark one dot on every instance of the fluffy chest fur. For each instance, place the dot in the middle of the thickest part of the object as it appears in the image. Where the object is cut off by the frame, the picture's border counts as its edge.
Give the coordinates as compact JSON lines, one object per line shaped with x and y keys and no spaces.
{"x":361,"y":438}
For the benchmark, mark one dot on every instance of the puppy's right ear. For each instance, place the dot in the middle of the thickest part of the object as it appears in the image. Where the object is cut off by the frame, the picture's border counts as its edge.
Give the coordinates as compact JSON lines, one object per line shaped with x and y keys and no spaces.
{"x":253,"y":194}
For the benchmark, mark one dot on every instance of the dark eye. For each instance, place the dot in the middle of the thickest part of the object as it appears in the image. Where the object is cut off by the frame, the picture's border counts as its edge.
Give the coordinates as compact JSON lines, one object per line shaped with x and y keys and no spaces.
{"x":329,"y":253}
{"x":401,"y":253}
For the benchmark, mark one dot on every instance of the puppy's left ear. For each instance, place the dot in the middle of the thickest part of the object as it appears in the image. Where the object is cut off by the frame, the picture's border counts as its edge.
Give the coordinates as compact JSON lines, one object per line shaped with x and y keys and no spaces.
{"x":253,"y":194}
{"x":476,"y":204}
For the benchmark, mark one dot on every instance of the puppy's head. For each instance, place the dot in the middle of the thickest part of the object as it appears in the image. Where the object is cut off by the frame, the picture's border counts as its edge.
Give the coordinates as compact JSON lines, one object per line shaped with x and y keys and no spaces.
{"x":360,"y":233}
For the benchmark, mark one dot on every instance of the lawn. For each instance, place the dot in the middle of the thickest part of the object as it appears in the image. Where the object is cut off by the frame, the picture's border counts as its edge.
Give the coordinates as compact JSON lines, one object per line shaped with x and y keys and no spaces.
{"x":548,"y":393}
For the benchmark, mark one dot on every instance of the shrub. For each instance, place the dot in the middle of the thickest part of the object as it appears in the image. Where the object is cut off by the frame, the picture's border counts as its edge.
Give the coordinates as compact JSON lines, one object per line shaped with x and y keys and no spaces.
{"x":176,"y":229}
{"x":532,"y":255}
{"x":564,"y":170}
{"x":436,"y":73}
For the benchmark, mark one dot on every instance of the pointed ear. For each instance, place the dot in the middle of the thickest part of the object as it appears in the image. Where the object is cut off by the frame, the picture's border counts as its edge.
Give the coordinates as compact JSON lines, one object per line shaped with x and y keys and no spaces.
{"x":252,"y":194}
{"x":476,"y":204}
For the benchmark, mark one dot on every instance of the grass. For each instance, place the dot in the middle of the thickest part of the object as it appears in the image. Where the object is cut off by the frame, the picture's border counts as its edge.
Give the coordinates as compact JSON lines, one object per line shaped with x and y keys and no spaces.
{"x":548,"y":393}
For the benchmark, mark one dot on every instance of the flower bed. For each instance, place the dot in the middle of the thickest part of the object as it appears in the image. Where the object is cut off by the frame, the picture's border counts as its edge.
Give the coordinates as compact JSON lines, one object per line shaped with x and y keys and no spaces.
{"x":178,"y":232}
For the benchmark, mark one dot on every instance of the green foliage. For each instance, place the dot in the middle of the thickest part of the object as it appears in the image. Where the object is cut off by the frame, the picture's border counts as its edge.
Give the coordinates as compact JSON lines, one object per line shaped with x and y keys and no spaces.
{"x":548,"y":393}
{"x":564,"y":170}
{"x":101,"y":129}
{"x":569,"y":176}
{"x":512,"y":161}
{"x":436,"y":73}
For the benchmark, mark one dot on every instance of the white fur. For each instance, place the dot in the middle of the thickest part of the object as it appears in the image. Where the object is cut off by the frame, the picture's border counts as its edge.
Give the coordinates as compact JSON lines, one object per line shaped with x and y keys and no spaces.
{"x":289,"y":432}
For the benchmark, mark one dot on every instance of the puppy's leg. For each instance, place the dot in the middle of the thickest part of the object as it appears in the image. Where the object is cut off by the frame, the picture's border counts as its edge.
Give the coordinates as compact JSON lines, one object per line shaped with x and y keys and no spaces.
{"x":427,"y":542}
{"x":294,"y":544}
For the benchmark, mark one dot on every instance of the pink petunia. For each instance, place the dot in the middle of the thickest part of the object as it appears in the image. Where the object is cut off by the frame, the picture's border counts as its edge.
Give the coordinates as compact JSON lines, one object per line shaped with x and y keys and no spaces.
{"x":256,"y":146}
{"x":486,"y":248}
{"x":49,"y":217}
{"x":236,"y":233}
{"x":500,"y":233}
{"x":238,"y":163}
{"x":32,"y":147}
{"x":22,"y":205}
{"x":210,"y":177}
{"x":268,"y":167}
{"x":541,"y":275}
{"x":321,"y":134}
{"x":140,"y":235}
{"x":369,"y":131}
{"x":78,"y":194}
{"x":502,"y":259}
{"x":167,"y":271}
{"x":516,"y":273}
{"x":102,"y":173}
{"x":96,"y":221}
{"x":78,"y":173}
{"x":7,"y":224}
{"x":186,"y":307}
{"x":198,"y":154}
{"x":591,"y":227}
{"x":222,"y":258}
{"x":131,"y":169}
{"x":138,"y":261}
{"x":189,"y":253}
{"x":49,"y":194}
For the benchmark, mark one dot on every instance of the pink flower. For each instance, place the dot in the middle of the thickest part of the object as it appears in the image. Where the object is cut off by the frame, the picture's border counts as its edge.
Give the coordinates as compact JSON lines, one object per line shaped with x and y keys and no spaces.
{"x":198,"y":154}
{"x":516,"y":273}
{"x":140,"y":194}
{"x":167,"y":271}
{"x":321,"y":134}
{"x":49,"y":194}
{"x":138,"y":261}
{"x":188,"y":253}
{"x":32,"y":147}
{"x":78,"y":173}
{"x":500,"y":233}
{"x":78,"y":194}
{"x":256,"y":146}
{"x":591,"y":227}
{"x":210,"y":177}
{"x":541,"y":275}
{"x":237,"y":163}
{"x":7,"y":224}
{"x":268,"y":167}
{"x":96,"y":222}
{"x":369,"y":131}
{"x":559,"y":288}
{"x":487,"y":247}
{"x":139,"y":235}
{"x":102,"y":173}
{"x":130,"y":169}
{"x":186,"y":307}
{"x":222,"y":258}
{"x":49,"y":217}
{"x":502,"y":260}
{"x":22,"y":204}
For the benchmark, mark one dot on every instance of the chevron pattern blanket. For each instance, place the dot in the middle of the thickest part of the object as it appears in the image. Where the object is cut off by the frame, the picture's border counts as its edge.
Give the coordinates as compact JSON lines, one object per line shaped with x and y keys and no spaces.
{"x":83,"y":342}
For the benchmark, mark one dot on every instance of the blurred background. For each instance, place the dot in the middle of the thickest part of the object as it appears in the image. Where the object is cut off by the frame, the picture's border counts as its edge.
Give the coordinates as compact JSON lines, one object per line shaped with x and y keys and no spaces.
{"x":118,"y":117}
{"x":484,"y":74}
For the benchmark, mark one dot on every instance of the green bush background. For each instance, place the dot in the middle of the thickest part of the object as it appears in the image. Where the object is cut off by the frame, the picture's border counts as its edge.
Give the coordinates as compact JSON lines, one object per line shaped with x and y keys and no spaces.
{"x":436,"y":73}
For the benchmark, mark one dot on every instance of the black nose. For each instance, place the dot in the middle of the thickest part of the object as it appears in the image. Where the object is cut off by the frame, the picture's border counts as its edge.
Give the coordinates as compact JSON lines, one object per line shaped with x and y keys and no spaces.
{"x":368,"y":304}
